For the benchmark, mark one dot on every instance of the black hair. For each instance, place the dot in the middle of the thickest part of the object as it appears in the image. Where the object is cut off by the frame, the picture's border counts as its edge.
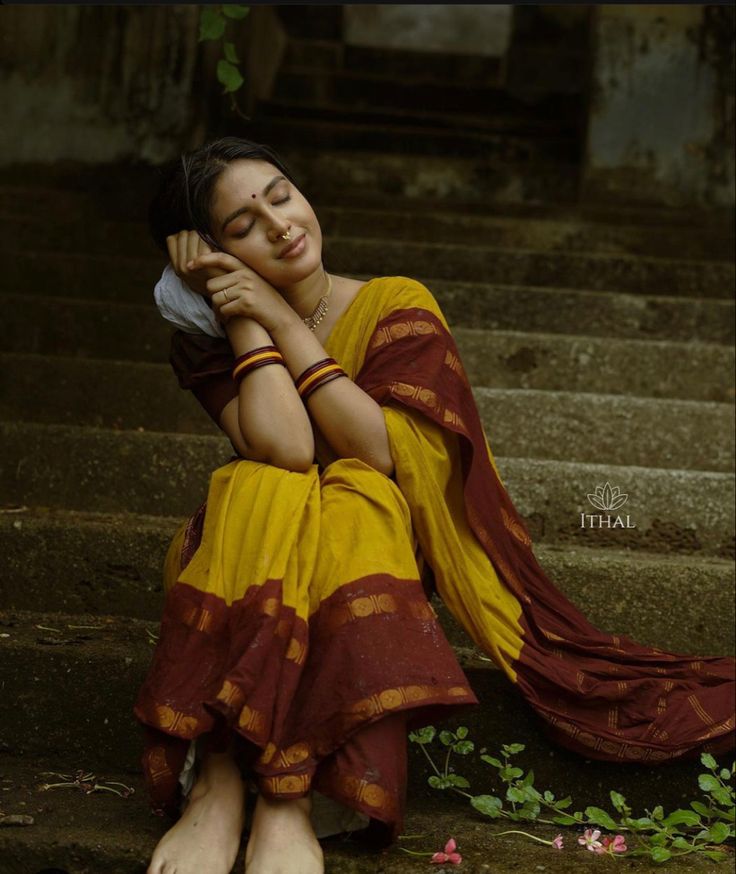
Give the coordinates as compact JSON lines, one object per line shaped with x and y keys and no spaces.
{"x":184,"y":197}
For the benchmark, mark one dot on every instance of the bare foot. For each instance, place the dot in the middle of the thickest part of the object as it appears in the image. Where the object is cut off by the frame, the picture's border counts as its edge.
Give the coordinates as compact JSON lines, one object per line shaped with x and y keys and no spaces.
{"x":206,"y":838}
{"x":282,"y":840}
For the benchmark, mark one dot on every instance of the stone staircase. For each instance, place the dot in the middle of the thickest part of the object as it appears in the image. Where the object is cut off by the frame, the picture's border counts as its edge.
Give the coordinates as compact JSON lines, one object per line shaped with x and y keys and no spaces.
{"x":600,"y":344}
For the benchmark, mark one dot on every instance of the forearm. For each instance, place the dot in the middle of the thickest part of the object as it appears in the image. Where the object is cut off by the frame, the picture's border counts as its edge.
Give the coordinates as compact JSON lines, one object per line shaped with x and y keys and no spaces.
{"x":350,"y":420}
{"x":272,"y":417}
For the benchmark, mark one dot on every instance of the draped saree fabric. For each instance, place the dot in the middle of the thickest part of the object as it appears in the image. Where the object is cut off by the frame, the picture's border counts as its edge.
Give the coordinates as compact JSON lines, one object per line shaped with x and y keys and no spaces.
{"x":296,"y":617}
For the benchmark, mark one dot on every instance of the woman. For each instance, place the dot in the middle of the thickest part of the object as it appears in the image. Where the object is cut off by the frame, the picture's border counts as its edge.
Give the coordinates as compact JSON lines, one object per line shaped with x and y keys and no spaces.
{"x":297,"y":643}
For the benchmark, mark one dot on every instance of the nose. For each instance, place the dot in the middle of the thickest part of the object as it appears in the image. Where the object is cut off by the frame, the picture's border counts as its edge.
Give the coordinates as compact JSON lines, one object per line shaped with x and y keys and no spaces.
{"x":278,"y":228}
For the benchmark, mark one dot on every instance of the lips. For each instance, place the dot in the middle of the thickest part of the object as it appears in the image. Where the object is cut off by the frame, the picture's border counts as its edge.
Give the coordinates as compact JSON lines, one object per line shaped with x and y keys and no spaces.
{"x":292,"y":245}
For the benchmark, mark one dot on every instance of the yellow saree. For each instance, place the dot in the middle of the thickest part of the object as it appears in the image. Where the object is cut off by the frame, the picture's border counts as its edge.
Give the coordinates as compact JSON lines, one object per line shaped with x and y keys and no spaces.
{"x":295,"y":613}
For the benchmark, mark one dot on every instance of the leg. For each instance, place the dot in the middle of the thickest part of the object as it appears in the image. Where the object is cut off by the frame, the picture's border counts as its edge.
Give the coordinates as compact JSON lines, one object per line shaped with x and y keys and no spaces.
{"x":282,"y":840}
{"x":206,"y":839}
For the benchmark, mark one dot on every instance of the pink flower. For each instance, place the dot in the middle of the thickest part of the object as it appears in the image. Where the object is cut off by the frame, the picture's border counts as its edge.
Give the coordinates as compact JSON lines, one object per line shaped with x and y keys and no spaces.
{"x":612,"y":845}
{"x":449,"y":854}
{"x":557,"y":842}
{"x":589,"y":839}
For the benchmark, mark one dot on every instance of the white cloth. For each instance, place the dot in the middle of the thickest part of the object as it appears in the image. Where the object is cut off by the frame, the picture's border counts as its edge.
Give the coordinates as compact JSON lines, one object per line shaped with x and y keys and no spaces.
{"x":183,"y":307}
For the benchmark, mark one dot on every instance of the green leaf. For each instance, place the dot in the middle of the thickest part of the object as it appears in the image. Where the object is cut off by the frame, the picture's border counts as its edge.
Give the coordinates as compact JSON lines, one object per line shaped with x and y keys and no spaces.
{"x":229,"y":76}
{"x":530,"y":810}
{"x":600,"y":817}
{"x":708,"y":761}
{"x":658,"y":840}
{"x":463,"y":747}
{"x":723,"y":796}
{"x":211,"y":24}
{"x":435,"y":782}
{"x":230,"y":53}
{"x":513,"y":794}
{"x":660,"y":854}
{"x":236,"y":12}
{"x":515,"y":748}
{"x":658,"y":812}
{"x":487,"y":804}
{"x":700,"y":808}
{"x":492,"y":761}
{"x":548,"y":796}
{"x":708,"y":782}
{"x":617,"y":800}
{"x":680,"y":843}
{"x":423,"y":736}
{"x":462,"y":732}
{"x":642,"y":822}
{"x":564,"y":803}
{"x":564,"y":820}
{"x":510,"y":773}
{"x":714,"y":855}
{"x":528,"y":779}
{"x":457,"y":780}
{"x":447,"y":738}
{"x":682,"y":817}
{"x":725,"y":774}
{"x":719,"y":831}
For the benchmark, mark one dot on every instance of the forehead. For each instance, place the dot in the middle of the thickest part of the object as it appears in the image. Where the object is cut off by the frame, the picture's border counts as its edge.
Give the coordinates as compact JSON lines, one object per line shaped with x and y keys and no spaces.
{"x":243,"y":177}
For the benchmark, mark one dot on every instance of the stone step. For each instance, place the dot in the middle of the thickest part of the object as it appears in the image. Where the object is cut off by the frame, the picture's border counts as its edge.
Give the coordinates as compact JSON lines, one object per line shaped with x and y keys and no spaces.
{"x":676,"y":511}
{"x":87,"y":834}
{"x":90,"y":231}
{"x":127,"y":277}
{"x":334,"y":170}
{"x":111,"y":563}
{"x":374,"y":90}
{"x":385,"y":130}
{"x":54,"y":705}
{"x":431,"y":67}
{"x":492,"y":359}
{"x":686,"y":435}
{"x":87,"y":191}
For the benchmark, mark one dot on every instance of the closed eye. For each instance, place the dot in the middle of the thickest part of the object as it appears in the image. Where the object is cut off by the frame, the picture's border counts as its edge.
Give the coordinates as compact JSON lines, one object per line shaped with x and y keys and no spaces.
{"x":242,"y":234}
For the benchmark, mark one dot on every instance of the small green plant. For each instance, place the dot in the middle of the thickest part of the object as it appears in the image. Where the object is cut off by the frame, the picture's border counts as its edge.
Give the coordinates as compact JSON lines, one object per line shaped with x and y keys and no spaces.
{"x":700,"y":829}
{"x":214,"y":22}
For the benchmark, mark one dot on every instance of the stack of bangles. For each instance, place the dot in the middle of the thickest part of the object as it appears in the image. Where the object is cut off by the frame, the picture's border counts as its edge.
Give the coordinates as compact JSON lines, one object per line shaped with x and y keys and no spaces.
{"x":309,"y":381}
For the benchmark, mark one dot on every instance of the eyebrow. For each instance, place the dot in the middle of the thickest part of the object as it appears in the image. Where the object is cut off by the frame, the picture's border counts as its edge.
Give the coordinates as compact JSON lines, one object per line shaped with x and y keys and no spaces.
{"x":234,"y":215}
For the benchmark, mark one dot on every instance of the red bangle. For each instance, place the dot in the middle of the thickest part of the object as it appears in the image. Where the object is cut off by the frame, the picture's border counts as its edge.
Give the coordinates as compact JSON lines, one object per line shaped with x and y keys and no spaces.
{"x":320,"y":382}
{"x":254,"y":359}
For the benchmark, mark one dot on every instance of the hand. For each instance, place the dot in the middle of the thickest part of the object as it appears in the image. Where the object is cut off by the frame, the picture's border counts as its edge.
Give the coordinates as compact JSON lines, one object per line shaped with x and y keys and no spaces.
{"x":183,"y":248}
{"x":240,"y":291}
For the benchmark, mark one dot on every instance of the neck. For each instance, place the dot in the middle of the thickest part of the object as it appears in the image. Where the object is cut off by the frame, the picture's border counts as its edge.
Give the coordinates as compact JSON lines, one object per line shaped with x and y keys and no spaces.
{"x":303,"y":296}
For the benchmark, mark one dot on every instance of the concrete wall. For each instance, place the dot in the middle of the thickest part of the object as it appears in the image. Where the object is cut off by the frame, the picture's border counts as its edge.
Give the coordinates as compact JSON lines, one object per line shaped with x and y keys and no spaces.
{"x":661,"y":116}
{"x":102,"y":84}
{"x":462,"y":29}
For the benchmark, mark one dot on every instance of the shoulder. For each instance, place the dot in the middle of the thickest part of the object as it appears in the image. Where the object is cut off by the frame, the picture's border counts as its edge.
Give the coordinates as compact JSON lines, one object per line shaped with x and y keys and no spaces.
{"x":403,"y":292}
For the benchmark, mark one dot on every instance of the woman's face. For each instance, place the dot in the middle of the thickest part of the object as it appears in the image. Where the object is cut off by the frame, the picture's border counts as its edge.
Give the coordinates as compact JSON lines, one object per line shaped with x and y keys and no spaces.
{"x":253,"y":204}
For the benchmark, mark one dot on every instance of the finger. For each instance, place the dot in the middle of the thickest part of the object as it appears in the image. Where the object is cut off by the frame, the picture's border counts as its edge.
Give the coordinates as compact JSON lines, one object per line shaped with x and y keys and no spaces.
{"x":226,"y":281}
{"x":181,"y":248}
{"x":171,"y":246}
{"x":216,"y":259}
{"x":192,"y":245}
{"x":203,"y":248}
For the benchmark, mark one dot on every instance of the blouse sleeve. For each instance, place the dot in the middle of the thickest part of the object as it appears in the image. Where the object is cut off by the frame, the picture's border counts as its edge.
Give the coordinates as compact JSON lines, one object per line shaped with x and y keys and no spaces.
{"x":203,"y":364}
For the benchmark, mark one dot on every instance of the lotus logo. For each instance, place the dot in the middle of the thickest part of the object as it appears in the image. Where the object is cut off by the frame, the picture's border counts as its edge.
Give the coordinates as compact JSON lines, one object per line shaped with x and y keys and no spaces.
{"x":607,"y":498}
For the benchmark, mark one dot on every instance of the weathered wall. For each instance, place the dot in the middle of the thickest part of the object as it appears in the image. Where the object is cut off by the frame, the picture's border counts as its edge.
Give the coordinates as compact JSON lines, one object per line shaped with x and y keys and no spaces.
{"x":113,"y":83}
{"x":461,"y":29}
{"x":661,"y":117}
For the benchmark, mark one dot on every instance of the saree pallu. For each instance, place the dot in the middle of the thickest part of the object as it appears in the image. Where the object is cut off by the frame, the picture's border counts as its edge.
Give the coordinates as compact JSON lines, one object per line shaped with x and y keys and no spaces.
{"x":602,"y":695}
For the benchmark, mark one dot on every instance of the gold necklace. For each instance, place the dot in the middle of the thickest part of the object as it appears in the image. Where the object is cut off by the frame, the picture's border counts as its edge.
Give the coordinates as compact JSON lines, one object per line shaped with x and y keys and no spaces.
{"x":319,"y":311}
